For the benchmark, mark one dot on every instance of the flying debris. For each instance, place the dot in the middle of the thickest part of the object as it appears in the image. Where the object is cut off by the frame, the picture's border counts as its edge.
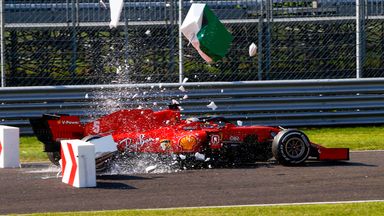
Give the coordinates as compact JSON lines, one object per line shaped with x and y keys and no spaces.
{"x":210,"y":38}
{"x":181,"y":88}
{"x":199,"y":156}
{"x":175,"y":101}
{"x":86,"y":96}
{"x":212,"y":106}
{"x":239,"y":123}
{"x":185,"y":79}
{"x":185,"y":97}
{"x":102,"y":4}
{"x":182,"y":157}
{"x":148,"y":32}
{"x":252,"y":49}
{"x":150,"y":168}
{"x":116,"y":6}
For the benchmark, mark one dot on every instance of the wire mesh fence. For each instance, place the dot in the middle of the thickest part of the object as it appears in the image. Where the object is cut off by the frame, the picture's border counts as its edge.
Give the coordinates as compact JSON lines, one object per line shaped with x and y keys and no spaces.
{"x":52,"y":42}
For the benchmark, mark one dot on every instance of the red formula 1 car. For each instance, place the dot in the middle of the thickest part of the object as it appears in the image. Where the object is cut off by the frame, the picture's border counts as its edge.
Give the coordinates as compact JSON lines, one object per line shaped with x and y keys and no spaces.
{"x":207,"y":139}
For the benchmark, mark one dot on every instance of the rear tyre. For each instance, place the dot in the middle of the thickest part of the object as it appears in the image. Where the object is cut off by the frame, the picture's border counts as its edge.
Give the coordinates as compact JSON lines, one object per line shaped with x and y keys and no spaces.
{"x":291,"y":147}
{"x":54,"y":157}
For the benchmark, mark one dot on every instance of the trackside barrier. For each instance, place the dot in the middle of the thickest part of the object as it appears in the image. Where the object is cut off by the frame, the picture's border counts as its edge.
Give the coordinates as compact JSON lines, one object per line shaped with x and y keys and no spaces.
{"x":289,"y":103}
{"x":78,"y":163}
{"x":9,"y":147}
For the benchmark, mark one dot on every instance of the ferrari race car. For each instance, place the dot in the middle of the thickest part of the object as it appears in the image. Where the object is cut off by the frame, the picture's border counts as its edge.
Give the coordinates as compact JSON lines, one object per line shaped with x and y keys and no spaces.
{"x":212,"y":140}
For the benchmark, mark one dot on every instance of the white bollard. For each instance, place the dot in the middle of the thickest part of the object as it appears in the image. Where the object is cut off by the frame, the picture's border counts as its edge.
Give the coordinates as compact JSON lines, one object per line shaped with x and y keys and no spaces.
{"x":9,"y":147}
{"x":78,"y":163}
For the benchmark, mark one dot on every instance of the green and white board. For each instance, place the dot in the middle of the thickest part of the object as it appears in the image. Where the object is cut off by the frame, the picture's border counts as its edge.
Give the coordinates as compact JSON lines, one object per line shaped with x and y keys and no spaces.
{"x":206,"y":33}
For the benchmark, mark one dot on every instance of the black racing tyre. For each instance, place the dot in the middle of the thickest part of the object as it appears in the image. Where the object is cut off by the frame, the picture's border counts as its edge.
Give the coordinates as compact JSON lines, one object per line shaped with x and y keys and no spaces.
{"x":291,"y":147}
{"x":54,"y":157}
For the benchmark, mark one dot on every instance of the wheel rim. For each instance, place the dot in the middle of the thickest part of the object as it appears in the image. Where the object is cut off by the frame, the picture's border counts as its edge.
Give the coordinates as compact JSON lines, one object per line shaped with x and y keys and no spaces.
{"x":295,"y":147}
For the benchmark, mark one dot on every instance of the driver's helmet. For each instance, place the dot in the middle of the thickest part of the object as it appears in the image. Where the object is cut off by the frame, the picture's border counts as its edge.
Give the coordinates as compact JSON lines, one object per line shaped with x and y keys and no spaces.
{"x":192,"y":119}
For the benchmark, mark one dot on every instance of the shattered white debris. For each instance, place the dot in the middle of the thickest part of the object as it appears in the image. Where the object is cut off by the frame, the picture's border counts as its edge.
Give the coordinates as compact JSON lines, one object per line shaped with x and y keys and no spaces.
{"x":86,"y":96}
{"x":181,"y":88}
{"x":175,"y":101}
{"x":185,"y":79}
{"x":118,"y":70}
{"x":182,"y":157}
{"x":212,"y":106}
{"x":199,"y":156}
{"x":102,"y":4}
{"x":185,"y":97}
{"x":148,"y":32}
{"x":150,"y":168}
{"x":252,"y":49}
{"x":239,"y":123}
{"x":116,"y":6}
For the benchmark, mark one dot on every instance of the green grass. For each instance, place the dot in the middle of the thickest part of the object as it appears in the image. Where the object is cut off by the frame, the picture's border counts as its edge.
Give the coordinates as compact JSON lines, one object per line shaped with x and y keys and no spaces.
{"x":358,"y":209}
{"x":355,"y":138}
{"x":31,"y":150}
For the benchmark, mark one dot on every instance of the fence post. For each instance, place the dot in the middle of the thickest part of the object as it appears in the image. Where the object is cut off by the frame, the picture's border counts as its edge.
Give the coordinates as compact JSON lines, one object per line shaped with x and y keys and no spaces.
{"x":260,"y":42}
{"x":181,"y":63}
{"x":269,"y":16}
{"x":360,"y":16}
{"x":2,"y":48}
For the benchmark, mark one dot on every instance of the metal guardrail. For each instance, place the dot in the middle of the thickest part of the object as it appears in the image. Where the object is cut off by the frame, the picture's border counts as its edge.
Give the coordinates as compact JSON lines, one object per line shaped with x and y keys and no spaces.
{"x":285,"y":103}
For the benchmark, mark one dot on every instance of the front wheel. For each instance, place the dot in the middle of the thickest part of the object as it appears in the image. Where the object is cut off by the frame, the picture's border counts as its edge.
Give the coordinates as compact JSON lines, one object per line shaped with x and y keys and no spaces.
{"x":291,"y":147}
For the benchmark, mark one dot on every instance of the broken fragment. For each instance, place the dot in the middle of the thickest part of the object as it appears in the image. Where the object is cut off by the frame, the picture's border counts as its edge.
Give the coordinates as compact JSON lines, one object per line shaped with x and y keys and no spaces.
{"x":206,"y":33}
{"x":212,"y":105}
{"x":252,"y":49}
{"x":116,"y":6}
{"x":150,"y":168}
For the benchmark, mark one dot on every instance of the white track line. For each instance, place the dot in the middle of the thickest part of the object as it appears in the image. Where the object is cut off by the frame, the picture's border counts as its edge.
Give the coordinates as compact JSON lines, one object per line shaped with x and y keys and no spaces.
{"x":267,"y":205}
{"x":367,"y":151}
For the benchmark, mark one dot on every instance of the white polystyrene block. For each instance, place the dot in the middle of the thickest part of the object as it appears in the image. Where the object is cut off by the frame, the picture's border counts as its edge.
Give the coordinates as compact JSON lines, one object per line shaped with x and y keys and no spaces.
{"x":78,"y":163}
{"x":104,"y":145}
{"x":9,"y":147}
{"x":193,"y":21}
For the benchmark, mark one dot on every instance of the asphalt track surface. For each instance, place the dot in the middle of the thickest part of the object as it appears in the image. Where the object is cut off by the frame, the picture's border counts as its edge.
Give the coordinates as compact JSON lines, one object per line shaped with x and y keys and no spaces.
{"x":27,"y":190}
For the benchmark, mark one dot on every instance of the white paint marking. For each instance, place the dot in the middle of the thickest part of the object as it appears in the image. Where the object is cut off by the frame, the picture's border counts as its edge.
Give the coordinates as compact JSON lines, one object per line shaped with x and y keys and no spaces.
{"x":276,"y":204}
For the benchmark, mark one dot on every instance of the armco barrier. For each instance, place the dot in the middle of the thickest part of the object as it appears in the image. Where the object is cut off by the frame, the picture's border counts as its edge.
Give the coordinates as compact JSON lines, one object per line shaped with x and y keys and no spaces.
{"x":78,"y":163}
{"x":9,"y":147}
{"x":285,"y":103}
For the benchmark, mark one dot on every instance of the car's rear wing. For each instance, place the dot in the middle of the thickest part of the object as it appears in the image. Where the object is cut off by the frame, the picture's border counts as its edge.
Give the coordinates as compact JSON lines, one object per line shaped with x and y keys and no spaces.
{"x":51,"y":128}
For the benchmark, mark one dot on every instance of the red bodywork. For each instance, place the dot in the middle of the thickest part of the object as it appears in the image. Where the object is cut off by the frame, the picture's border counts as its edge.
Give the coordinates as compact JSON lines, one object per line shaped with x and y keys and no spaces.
{"x":148,"y":131}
